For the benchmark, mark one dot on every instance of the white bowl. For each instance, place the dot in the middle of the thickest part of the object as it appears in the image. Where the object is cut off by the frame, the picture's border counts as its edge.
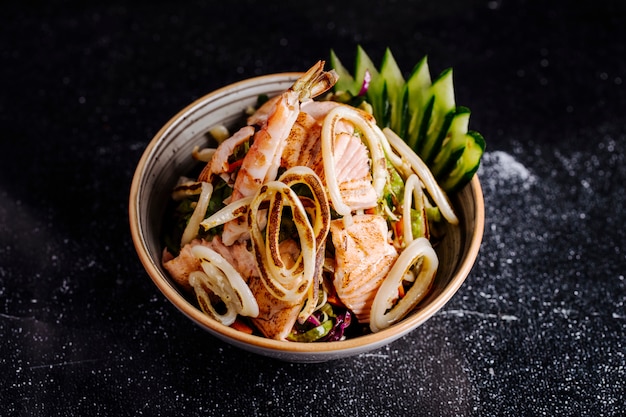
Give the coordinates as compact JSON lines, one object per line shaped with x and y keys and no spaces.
{"x":168,"y":156}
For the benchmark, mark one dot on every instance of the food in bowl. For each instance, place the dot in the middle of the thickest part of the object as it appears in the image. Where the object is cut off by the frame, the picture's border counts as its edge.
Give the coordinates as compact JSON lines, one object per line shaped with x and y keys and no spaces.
{"x":309,"y":223}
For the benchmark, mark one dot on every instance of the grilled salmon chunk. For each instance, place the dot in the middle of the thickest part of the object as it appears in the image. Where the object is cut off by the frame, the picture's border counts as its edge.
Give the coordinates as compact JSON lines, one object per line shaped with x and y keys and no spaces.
{"x":363,"y":257}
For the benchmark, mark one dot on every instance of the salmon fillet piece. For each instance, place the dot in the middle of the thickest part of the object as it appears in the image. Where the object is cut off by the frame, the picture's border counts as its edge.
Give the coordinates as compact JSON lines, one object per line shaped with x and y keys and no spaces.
{"x":363,"y":257}
{"x":277,"y":317}
{"x":181,"y":266}
{"x":352,"y":161}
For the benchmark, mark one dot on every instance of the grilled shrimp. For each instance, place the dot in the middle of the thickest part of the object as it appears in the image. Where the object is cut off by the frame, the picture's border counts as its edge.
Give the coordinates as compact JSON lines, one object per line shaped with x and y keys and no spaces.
{"x":218,"y":165}
{"x":276,"y":120}
{"x":263,"y":159}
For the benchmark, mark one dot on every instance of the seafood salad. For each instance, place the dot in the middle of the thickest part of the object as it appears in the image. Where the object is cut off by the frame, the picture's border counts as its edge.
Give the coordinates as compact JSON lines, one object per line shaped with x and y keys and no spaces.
{"x":309,"y":223}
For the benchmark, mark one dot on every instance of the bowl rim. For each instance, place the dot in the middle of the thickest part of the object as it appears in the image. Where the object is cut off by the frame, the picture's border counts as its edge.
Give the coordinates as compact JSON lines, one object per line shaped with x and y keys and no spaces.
{"x":242,"y":339}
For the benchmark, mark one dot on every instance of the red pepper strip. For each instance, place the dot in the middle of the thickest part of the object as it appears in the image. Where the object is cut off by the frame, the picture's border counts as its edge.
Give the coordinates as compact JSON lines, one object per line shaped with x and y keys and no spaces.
{"x":241,"y":326}
{"x":234,"y":165}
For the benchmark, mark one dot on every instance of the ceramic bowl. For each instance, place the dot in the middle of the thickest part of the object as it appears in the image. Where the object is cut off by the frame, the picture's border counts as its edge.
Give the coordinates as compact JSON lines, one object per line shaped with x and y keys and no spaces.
{"x":167,"y":157}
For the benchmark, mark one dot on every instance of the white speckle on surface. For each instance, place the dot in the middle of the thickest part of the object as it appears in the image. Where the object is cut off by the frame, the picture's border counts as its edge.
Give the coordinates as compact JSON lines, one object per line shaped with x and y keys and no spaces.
{"x":483,"y":316}
{"x":504,"y":170}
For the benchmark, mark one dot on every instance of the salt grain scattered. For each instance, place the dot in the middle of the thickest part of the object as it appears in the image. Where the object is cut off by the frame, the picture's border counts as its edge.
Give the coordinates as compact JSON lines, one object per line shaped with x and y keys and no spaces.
{"x":504,"y":170}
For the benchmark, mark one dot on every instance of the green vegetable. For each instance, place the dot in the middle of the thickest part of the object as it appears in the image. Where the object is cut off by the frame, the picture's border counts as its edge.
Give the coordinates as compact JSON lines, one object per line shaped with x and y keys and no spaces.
{"x":314,"y":334}
{"x":441,"y":117}
{"x":422,"y":112}
{"x":433,"y":214}
{"x":418,"y":97}
{"x":417,"y":223}
{"x":393,"y":87}
{"x":467,"y":164}
{"x":395,"y":183}
{"x":345,"y":83}
{"x":453,"y":144}
{"x":178,"y":216}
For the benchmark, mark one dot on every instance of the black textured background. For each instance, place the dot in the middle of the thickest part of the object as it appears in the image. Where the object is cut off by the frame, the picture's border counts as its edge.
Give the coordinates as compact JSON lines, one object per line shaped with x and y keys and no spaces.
{"x":538,"y":328}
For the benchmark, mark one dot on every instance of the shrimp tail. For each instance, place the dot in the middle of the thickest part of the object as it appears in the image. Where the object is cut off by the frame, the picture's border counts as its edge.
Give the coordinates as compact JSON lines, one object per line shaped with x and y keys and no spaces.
{"x":314,"y":82}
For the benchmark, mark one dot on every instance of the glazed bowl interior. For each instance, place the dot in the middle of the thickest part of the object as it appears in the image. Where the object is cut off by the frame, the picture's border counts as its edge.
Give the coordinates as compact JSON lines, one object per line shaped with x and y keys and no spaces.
{"x":168,"y":156}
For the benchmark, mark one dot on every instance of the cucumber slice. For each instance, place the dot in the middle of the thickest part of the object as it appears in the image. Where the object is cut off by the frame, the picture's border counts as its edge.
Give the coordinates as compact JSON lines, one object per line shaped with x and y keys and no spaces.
{"x":418,"y":84}
{"x":443,"y":88}
{"x":421,"y":111}
{"x":405,"y":114}
{"x":382,"y":112}
{"x":423,"y":123}
{"x":460,"y":124}
{"x":394,"y":83}
{"x":376,"y":90}
{"x":364,"y":64}
{"x":451,"y":160}
{"x":345,"y":83}
{"x":454,"y":141}
{"x":436,"y":139}
{"x":443,"y":91}
{"x":467,"y":165}
{"x":418,"y":94}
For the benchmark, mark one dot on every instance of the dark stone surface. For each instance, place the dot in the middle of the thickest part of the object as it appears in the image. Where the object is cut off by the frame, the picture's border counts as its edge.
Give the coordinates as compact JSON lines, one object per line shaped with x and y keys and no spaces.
{"x":538,"y":328}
